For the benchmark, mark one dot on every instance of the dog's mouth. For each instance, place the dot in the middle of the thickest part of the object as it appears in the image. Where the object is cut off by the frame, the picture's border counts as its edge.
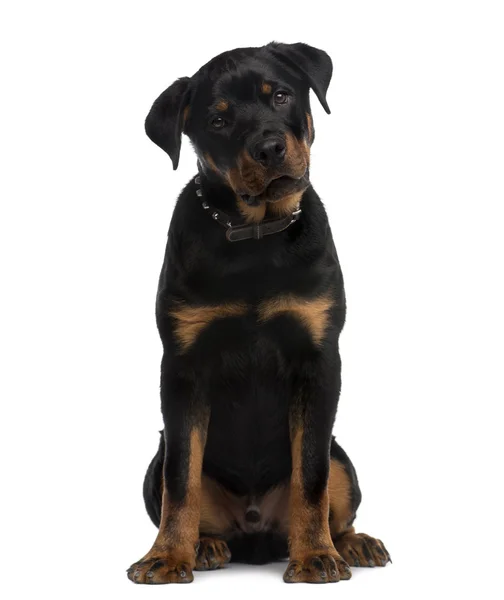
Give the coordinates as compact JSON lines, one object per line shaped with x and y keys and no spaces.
{"x":278,"y":188}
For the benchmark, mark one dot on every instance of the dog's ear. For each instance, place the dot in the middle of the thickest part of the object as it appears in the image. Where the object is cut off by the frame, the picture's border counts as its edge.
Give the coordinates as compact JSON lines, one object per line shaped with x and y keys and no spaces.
{"x":165,"y":122}
{"x":314,"y":64}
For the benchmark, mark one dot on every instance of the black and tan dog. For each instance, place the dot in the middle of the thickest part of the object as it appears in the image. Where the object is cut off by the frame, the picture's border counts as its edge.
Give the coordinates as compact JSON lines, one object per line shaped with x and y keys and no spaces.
{"x":250,"y":306}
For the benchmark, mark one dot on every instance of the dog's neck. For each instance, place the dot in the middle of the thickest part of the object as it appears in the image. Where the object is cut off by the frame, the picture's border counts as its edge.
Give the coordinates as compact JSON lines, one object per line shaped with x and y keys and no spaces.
{"x":218,"y":194}
{"x":241,"y":226}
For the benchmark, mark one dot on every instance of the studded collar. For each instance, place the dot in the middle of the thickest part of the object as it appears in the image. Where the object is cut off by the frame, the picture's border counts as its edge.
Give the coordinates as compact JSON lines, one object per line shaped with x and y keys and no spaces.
{"x":246,"y":231}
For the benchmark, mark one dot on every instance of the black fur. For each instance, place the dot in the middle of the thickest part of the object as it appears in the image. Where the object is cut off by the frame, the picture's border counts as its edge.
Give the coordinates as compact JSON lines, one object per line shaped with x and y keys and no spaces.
{"x":251,"y":381}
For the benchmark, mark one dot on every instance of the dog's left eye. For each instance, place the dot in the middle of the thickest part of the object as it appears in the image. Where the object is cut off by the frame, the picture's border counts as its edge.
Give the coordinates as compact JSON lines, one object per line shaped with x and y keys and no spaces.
{"x":217,"y":122}
{"x":281,"y":97}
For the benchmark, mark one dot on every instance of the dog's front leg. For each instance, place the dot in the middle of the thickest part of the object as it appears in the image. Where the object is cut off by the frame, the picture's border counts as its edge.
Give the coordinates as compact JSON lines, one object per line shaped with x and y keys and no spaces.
{"x":313,"y":558}
{"x":172,"y":556}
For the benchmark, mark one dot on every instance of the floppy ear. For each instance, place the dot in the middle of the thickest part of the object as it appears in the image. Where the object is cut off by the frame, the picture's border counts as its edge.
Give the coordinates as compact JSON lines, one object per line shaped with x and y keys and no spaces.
{"x":165,"y":122}
{"x":314,"y":64}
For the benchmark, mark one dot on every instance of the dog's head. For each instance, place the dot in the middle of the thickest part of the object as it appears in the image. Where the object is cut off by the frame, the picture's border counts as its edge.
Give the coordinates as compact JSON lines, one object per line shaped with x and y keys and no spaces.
{"x":247,"y":114}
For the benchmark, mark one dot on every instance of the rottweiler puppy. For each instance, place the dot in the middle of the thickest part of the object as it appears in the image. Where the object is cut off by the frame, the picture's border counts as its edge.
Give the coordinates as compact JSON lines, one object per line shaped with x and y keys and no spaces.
{"x":249,"y":308}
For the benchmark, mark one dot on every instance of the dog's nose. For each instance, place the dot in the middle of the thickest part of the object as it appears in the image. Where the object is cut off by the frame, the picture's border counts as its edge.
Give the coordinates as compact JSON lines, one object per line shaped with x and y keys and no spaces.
{"x":269,"y":152}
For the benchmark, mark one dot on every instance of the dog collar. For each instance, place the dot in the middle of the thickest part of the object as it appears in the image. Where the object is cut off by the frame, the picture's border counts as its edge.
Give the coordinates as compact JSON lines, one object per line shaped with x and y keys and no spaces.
{"x":246,"y":231}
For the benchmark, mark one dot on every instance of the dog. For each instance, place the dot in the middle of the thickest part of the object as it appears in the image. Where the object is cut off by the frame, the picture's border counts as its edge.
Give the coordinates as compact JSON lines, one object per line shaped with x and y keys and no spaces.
{"x":249,"y":309}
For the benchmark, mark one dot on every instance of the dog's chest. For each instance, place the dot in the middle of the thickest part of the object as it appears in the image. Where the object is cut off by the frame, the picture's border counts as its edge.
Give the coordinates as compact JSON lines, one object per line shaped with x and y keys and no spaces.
{"x":280,"y":321}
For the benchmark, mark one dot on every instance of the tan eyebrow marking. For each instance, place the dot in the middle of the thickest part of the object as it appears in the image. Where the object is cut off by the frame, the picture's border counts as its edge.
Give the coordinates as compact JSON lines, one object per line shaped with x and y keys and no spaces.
{"x":313,"y":313}
{"x":222,"y":105}
{"x":191,"y":320}
{"x":266,"y":88}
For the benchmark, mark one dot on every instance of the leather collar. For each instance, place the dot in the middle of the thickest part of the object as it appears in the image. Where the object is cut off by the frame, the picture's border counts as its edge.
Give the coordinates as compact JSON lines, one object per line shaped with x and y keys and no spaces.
{"x":247,"y":231}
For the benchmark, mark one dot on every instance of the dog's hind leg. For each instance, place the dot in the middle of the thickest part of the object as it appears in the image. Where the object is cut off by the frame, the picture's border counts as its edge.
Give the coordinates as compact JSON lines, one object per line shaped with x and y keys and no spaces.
{"x":152,"y":487}
{"x":216,"y":523}
{"x":357,"y":549}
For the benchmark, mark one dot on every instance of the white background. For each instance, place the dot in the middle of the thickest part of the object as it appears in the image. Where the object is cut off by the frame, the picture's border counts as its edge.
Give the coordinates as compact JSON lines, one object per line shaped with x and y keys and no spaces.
{"x":410,"y":167}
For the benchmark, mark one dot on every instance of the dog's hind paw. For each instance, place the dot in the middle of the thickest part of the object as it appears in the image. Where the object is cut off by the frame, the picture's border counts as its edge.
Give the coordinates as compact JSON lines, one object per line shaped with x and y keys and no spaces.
{"x":361,"y":550}
{"x":317,"y":567}
{"x":213,"y":553}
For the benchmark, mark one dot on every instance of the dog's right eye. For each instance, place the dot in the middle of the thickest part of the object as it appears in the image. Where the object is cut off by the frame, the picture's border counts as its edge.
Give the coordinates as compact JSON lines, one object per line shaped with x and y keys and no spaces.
{"x":217,"y":122}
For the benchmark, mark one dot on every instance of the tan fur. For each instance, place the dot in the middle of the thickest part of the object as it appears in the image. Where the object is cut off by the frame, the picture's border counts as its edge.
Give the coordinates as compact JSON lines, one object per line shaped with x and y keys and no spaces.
{"x":185,"y":115}
{"x":274,"y":507}
{"x":192,"y":502}
{"x":359,"y":549}
{"x":248,"y":177}
{"x":306,"y":149}
{"x":222,"y":511}
{"x":297,"y":156}
{"x":266,"y":88}
{"x":252,"y":214}
{"x":309,"y":524}
{"x":191,"y":320}
{"x":286,"y":205}
{"x":339,"y":498}
{"x":216,"y":515}
{"x":222,"y":105}
{"x":213,"y":553}
{"x":178,"y":530}
{"x":309,"y":121}
{"x":313,"y":313}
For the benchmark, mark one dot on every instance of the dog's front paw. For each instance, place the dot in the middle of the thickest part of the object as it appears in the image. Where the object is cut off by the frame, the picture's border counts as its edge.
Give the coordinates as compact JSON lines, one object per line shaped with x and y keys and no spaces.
{"x":317,"y":567}
{"x":161,"y":569}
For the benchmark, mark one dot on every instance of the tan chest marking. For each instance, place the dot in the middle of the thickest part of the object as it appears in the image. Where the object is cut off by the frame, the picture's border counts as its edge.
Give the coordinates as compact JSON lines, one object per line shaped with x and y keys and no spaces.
{"x":191,"y":320}
{"x":313,"y":313}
